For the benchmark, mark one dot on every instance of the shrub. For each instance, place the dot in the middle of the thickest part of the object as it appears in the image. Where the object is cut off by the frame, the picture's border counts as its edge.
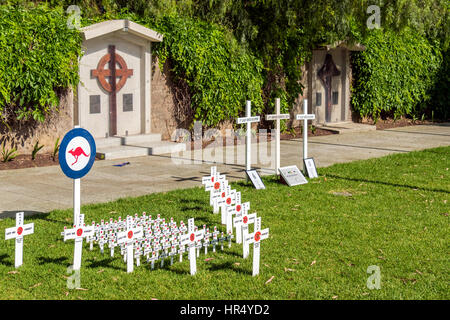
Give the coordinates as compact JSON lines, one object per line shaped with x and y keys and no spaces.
{"x":395,"y":75}
{"x":38,"y":58}
{"x":219,"y":72}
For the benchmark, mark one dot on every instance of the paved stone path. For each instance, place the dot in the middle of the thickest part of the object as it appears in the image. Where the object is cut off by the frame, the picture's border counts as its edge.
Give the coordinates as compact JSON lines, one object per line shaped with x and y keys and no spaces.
{"x":36,"y":190}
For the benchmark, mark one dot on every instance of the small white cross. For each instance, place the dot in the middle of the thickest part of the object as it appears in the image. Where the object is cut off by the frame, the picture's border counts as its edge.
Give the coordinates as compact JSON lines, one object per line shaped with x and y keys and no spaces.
{"x":18,"y":232}
{"x":232,"y":210}
{"x":190,"y":240}
{"x":128,"y":237}
{"x":247,"y":219}
{"x":238,"y":221}
{"x":256,"y":238}
{"x":78,"y":232}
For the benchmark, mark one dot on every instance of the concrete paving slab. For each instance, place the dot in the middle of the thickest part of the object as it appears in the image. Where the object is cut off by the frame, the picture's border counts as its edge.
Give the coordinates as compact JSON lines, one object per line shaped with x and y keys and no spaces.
{"x":36,"y":190}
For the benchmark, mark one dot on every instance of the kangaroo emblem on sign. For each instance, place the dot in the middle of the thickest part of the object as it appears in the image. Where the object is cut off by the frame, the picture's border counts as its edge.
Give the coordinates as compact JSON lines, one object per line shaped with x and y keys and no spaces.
{"x":76,"y":153}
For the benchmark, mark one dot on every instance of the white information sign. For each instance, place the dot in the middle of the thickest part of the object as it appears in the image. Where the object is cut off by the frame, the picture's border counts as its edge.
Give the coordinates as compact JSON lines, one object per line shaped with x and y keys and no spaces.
{"x":292,"y":176}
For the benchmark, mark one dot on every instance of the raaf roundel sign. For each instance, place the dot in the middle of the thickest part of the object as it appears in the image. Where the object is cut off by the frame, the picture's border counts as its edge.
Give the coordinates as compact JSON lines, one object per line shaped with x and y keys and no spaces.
{"x":77,"y":153}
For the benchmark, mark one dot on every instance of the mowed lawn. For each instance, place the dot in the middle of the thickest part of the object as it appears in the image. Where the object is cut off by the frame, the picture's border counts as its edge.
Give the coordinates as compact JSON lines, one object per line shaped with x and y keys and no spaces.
{"x":390,"y":212}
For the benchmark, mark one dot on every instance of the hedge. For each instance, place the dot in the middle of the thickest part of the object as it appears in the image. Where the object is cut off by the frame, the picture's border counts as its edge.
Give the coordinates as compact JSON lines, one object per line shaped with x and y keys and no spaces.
{"x":38,"y":58}
{"x":395,"y":75}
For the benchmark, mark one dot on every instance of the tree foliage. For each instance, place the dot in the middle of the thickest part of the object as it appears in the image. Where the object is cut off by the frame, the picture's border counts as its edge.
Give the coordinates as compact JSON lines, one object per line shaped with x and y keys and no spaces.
{"x":38,"y":59}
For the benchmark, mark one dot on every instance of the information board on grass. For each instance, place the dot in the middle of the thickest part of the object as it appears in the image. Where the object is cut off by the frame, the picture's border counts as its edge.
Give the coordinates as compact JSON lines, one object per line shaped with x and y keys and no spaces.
{"x":255,"y":179}
{"x":292,"y":176}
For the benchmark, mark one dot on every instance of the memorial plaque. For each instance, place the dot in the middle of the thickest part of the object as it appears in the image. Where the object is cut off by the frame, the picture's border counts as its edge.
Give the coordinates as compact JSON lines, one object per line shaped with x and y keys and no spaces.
{"x":335,"y":97}
{"x":255,"y":179}
{"x":94,"y":104}
{"x":127,"y":102}
{"x":292,"y":176}
{"x":318,"y":99}
{"x":310,"y":166}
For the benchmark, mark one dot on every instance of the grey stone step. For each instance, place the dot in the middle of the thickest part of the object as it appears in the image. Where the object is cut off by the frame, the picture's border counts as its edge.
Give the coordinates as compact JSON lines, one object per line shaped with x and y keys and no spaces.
{"x":140,"y":138}
{"x":163,"y":147}
{"x":347,"y":127}
{"x":149,"y":148}
{"x":107,"y":142}
{"x":120,"y":152}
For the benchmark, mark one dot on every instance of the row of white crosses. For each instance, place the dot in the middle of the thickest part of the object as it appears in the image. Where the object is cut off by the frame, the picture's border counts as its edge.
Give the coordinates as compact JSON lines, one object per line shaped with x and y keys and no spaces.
{"x":235,"y":215}
{"x":143,"y":236}
{"x":249,"y":119}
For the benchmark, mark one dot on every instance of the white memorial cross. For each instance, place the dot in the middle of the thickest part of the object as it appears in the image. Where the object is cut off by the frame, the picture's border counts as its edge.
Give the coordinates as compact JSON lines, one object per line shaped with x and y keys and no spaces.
{"x":256,"y":238}
{"x":305,"y":117}
{"x":248,"y":119}
{"x":277,"y":117}
{"x":78,"y":232}
{"x":128,"y":237}
{"x":190,"y":240}
{"x":228,"y":198}
{"x":247,"y":219}
{"x":18,"y":232}
{"x":238,"y":221}
{"x":232,"y":210}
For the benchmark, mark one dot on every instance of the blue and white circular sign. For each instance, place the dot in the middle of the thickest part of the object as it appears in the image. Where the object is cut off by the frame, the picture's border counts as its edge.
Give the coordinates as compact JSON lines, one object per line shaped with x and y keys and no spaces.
{"x":77,"y":153}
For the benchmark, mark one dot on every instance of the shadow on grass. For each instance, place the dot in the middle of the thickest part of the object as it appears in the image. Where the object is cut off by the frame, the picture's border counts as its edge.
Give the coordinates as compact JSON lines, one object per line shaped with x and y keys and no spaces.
{"x":45,"y":260}
{"x":4,"y":260}
{"x":229,"y":266}
{"x":388,"y":184}
{"x":105,"y":263}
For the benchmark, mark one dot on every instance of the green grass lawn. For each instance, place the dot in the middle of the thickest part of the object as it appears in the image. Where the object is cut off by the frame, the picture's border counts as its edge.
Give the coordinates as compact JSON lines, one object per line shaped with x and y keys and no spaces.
{"x":391,"y":212}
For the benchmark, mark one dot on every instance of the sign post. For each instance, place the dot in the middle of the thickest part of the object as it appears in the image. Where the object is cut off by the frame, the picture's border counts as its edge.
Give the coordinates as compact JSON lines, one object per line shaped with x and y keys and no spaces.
{"x":76,"y":157}
{"x":277,"y":117}
{"x":248,"y":119}
{"x":18,"y":232}
{"x":305,"y":117}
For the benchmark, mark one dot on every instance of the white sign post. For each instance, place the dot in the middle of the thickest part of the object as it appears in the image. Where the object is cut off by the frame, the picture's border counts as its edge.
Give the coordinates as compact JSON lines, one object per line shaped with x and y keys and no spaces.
{"x":248,"y":119}
{"x":190,"y":240}
{"x":305,"y":117}
{"x":277,"y":117}
{"x":78,"y":232}
{"x":76,"y":157}
{"x":256,"y":238}
{"x":18,"y":232}
{"x":128,"y":237}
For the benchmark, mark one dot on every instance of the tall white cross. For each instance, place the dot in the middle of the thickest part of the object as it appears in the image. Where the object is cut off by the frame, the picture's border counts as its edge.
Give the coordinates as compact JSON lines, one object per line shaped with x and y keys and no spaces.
{"x":78,"y":232}
{"x":305,"y":117}
{"x":190,"y":240}
{"x":248,"y":119}
{"x":256,"y":238}
{"x":128,"y":237}
{"x":277,"y":117}
{"x":18,"y":232}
